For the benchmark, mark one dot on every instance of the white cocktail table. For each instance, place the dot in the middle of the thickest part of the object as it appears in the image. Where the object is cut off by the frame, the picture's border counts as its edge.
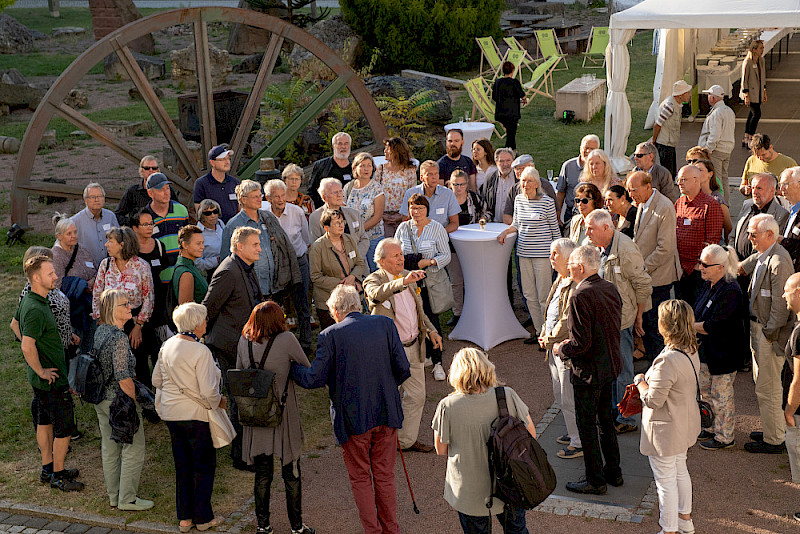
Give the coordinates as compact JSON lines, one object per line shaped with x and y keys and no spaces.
{"x":473,"y":130}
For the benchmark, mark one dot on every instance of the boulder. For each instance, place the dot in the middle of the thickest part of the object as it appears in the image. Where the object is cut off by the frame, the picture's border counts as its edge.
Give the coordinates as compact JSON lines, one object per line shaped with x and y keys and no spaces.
{"x":134,"y":93}
{"x":9,"y":145}
{"x":68,"y":31}
{"x":17,"y":96}
{"x":154,"y":68}
{"x":396,"y":86}
{"x":77,"y":98}
{"x":12,"y":76}
{"x":37,"y":35}
{"x":244,"y":39}
{"x":184,"y":66}
{"x":121,"y":128}
{"x":338,"y":36}
{"x":250,"y":64}
{"x":15,"y":37}
{"x":48,"y":139}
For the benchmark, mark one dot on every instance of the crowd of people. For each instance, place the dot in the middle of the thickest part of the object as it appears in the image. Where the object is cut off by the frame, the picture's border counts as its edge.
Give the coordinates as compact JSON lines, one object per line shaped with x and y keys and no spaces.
{"x":172,"y":298}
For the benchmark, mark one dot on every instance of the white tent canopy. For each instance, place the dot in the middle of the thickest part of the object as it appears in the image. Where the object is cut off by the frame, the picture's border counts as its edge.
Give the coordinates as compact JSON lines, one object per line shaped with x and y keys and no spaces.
{"x":674,"y":14}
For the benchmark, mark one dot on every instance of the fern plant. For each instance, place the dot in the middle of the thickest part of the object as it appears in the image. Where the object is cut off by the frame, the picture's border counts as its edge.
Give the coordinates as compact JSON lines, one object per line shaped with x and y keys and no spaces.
{"x":405,"y":115}
{"x":288,"y":100}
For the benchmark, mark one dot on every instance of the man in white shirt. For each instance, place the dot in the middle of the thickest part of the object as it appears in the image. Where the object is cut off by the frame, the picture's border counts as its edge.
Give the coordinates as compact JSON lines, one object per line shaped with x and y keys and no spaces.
{"x":293,"y":221}
{"x":717,"y":135}
{"x":667,"y":128}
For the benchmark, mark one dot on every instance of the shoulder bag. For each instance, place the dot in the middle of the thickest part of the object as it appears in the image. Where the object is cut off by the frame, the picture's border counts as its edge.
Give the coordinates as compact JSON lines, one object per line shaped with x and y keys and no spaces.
{"x":440,"y":290}
{"x":254,"y":392}
{"x":222,"y":431}
{"x":706,"y":412}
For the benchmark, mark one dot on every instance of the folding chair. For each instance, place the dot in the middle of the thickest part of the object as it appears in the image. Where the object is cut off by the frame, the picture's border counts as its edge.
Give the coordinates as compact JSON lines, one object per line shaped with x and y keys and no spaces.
{"x":542,"y":80}
{"x":513,"y":44}
{"x":598,"y":41}
{"x":548,"y":46}
{"x":482,"y":104}
{"x":491,"y":54}
{"x":517,"y":58}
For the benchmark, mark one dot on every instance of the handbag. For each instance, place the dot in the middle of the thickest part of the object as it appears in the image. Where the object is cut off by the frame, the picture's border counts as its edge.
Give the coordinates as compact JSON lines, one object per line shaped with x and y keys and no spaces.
{"x":440,"y":290}
{"x":706,"y":412}
{"x":219,"y":424}
{"x":631,"y":403}
{"x":254,"y":392}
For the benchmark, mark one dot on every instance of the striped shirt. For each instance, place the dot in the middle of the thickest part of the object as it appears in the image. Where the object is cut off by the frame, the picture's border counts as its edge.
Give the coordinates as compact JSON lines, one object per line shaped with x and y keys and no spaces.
{"x":166,"y":230}
{"x":665,"y":111}
{"x":433,"y":243}
{"x":536,"y":224}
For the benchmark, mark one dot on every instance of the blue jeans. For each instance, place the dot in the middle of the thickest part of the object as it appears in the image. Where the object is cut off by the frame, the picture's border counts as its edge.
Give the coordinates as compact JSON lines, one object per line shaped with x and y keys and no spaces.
{"x":626,"y":375}
{"x":373,"y":244}
{"x":511,"y":519}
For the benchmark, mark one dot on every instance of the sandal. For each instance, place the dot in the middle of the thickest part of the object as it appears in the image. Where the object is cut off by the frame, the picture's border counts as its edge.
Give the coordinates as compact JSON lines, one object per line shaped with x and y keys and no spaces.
{"x":185,"y":528}
{"x":211,"y":524}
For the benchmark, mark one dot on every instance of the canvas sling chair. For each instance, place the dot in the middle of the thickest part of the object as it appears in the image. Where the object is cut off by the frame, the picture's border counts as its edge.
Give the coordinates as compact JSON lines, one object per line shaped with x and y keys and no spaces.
{"x":541,"y":82}
{"x":490,"y":54}
{"x":548,"y":46}
{"x":596,"y":51}
{"x":482,"y":103}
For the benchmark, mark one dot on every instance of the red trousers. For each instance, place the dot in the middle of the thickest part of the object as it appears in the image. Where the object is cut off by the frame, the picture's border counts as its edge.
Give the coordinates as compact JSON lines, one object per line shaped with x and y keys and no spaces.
{"x":369,"y":458}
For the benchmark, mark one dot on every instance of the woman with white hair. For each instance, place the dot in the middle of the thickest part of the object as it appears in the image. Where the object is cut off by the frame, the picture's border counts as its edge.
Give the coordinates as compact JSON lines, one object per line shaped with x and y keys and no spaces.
{"x":461,"y":425}
{"x":366,"y":196}
{"x":212,"y":226}
{"x":292,"y":176}
{"x":69,"y":259}
{"x":536,"y":223}
{"x":187,"y":382}
{"x":721,"y":321}
{"x":598,"y":171}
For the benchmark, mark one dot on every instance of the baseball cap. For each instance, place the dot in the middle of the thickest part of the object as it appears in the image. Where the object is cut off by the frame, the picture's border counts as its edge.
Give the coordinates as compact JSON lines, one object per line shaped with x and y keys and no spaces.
{"x":524,"y":159}
{"x":680,"y":87}
{"x":715,"y":90}
{"x":157,"y":180}
{"x":219,"y":152}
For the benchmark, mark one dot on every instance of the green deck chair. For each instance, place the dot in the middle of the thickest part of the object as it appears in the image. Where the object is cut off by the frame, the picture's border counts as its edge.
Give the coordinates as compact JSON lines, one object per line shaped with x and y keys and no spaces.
{"x":491,"y":54}
{"x":548,"y":46}
{"x":517,"y":58}
{"x":482,"y":104}
{"x":596,"y":51}
{"x":513,"y":44}
{"x":542,"y":80}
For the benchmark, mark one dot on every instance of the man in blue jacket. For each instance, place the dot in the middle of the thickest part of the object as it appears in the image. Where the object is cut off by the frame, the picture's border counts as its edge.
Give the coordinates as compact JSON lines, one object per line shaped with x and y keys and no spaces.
{"x":362,"y":361}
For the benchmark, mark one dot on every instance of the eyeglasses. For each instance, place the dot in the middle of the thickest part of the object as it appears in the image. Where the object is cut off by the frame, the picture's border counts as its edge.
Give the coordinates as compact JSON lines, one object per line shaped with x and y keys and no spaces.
{"x":582,"y":200}
{"x":125,"y":304}
{"x":707,"y":265}
{"x":460,"y":185}
{"x":209,"y":213}
{"x":150,"y":168}
{"x":640,"y":155}
{"x":753,"y":233}
{"x":147,"y":224}
{"x":96,"y":197}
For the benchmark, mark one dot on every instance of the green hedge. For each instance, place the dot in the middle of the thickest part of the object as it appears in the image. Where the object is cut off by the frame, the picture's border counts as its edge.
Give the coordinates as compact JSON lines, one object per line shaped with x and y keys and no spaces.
{"x":430,"y":35}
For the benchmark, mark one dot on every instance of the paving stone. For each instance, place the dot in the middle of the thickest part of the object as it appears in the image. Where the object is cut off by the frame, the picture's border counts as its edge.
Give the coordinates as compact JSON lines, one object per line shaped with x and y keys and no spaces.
{"x":16,"y":528}
{"x":636,"y":519}
{"x":592,"y":513}
{"x":17,"y":519}
{"x":30,"y":530}
{"x":4,"y":527}
{"x":560,"y":511}
{"x":37,"y":522}
{"x":576,"y":513}
{"x":98,"y":530}
{"x":118,"y":531}
{"x":77,"y":528}
{"x":623,"y":517}
{"x":44,"y":531}
{"x":3,"y":516}
{"x":608,"y":515}
{"x":57,"y":525}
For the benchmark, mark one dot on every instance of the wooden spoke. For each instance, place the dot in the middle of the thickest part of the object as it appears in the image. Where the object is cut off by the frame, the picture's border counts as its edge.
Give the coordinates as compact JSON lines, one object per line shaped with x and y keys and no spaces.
{"x":205,"y":90}
{"x":253,"y":103}
{"x":164,"y":122}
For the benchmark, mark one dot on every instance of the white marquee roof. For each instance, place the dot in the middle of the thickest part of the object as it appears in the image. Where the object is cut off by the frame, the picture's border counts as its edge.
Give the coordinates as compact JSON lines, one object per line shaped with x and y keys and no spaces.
{"x":709,"y":14}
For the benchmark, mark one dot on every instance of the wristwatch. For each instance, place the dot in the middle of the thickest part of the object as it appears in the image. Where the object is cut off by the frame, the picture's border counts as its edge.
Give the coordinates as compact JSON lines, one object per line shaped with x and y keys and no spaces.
{"x":638,"y":380}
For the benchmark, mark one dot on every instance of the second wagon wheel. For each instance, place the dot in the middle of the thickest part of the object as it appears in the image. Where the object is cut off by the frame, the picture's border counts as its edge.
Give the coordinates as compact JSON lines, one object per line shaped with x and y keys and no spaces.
{"x":117,"y":43}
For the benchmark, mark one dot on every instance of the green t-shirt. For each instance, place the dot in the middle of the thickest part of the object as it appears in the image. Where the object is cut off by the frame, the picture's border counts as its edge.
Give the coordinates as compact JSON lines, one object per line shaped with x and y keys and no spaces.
{"x":37,"y":321}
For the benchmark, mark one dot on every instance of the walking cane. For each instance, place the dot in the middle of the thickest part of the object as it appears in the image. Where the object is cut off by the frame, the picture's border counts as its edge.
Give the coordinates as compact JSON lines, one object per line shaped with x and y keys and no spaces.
{"x":411,"y":491}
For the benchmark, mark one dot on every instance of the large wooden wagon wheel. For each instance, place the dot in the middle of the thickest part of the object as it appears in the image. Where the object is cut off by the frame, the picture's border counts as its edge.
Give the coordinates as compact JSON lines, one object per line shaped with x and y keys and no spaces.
{"x":117,"y":43}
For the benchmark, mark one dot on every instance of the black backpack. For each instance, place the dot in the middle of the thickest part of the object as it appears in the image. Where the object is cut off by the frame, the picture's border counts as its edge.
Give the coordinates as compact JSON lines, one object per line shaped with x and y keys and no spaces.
{"x":520,"y":473}
{"x":86,"y":377}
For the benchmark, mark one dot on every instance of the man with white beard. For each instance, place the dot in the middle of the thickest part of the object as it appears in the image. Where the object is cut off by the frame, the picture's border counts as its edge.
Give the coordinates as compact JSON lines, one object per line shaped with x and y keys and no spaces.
{"x":336,"y":166}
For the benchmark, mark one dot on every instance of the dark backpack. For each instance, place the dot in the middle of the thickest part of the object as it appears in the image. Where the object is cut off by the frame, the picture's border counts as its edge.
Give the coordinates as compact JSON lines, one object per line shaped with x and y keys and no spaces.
{"x":518,"y":467}
{"x":86,"y":377}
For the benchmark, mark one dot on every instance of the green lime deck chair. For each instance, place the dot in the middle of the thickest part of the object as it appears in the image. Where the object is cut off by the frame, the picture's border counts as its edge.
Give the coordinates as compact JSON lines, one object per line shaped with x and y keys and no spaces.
{"x":548,"y":46}
{"x":491,"y":54}
{"x":514,"y":44}
{"x":542,"y":79}
{"x":482,"y":104}
{"x":517,"y":58}
{"x":596,"y":51}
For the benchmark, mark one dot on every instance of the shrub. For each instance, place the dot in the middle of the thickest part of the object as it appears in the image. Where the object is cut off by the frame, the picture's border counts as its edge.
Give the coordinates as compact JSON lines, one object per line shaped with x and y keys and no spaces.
{"x":430,"y":35}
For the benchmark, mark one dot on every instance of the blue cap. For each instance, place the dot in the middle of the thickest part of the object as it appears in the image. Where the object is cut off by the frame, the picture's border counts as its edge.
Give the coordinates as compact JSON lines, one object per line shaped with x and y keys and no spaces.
{"x":157,"y":180}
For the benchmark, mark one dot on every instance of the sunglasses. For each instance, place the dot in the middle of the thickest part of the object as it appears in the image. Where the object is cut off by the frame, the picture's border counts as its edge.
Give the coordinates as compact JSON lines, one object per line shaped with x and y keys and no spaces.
{"x":209,"y":213}
{"x":707,"y":265}
{"x":150,"y":168}
{"x":582,"y":200}
{"x":640,"y":155}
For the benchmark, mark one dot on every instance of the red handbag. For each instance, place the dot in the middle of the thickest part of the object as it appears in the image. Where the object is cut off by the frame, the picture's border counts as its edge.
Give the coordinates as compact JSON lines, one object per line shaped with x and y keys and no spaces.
{"x":630,"y":404}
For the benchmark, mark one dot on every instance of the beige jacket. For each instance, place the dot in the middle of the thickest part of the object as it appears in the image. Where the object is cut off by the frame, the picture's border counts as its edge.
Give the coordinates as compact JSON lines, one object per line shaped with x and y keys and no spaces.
{"x":624,"y":268}
{"x":654,"y":234}
{"x":380,"y":288}
{"x":752,"y":83}
{"x":559,"y":332}
{"x":326,"y":272}
{"x":354,"y":223}
{"x":670,"y":416}
{"x":769,"y":306}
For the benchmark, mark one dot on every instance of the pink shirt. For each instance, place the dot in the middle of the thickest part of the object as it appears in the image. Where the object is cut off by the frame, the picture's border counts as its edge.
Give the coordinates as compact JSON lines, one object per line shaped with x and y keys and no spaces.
{"x":405,"y":314}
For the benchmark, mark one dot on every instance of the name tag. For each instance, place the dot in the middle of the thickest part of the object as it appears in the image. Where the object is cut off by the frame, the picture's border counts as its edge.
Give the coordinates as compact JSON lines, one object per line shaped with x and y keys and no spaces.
{"x":397,"y":179}
{"x":90,"y":265}
{"x":439,"y":211}
{"x":356,"y":224}
{"x":687,"y":222}
{"x":351,"y":254}
{"x":347,"y":177}
{"x":130,"y":286}
{"x":106,"y":227}
{"x":386,"y":304}
{"x":263,"y":227}
{"x":156,"y":263}
{"x":232,"y":196}
{"x":155,"y":230}
{"x":796,"y":230}
{"x":708,"y":305}
{"x":617,"y":269}
{"x":536,"y":216}
{"x":766,"y":293}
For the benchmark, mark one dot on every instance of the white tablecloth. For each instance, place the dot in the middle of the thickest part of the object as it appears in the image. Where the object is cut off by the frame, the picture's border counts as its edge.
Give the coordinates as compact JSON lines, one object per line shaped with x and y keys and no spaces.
{"x":487,"y":318}
{"x":472,"y":132}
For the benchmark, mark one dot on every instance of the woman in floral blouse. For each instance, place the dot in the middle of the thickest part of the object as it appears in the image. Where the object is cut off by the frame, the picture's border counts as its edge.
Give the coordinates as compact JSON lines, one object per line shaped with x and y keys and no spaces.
{"x":397,"y":175}
{"x":293,"y":176}
{"x":366,"y":196}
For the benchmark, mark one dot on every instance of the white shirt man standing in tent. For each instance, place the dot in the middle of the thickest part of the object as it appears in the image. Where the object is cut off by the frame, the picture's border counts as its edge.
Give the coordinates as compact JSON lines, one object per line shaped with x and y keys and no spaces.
{"x":667,"y":129}
{"x":717,"y":135}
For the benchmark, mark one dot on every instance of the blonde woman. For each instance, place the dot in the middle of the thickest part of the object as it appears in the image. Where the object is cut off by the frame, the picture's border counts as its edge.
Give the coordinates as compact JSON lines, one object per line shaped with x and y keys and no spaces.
{"x":598,"y":171}
{"x":461,"y":425}
{"x":670,"y":416}
{"x":753,"y":88}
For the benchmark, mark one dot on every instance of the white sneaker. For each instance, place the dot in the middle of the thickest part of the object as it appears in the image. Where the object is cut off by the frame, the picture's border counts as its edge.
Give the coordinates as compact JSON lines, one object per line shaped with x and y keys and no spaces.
{"x":685,"y":526}
{"x":438,"y":372}
{"x":428,"y":362}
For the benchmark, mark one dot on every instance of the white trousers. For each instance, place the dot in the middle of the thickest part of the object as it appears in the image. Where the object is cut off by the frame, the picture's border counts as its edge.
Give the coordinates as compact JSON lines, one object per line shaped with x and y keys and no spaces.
{"x":564,"y":396}
{"x":674,"y":489}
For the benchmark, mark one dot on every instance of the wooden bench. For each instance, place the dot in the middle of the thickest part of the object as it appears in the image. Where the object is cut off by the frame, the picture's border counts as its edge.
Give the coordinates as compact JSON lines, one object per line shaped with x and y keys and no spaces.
{"x":574,"y":44}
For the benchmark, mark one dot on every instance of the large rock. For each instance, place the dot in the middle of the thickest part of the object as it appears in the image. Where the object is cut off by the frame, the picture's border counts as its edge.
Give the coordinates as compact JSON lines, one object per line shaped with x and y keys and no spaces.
{"x":154,"y":68}
{"x":12,"y":76}
{"x":68,"y":31}
{"x":339,"y":37}
{"x":184,"y":66}
{"x":134,"y":93}
{"x":77,"y":98}
{"x":244,"y":39}
{"x":15,"y":37}
{"x":396,"y":86}
{"x":17,"y":96}
{"x":250,"y":64}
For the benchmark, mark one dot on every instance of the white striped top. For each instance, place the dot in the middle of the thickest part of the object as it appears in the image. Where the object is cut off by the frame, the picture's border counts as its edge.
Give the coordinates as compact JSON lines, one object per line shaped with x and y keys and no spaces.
{"x":536,"y":224}
{"x":433,"y":243}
